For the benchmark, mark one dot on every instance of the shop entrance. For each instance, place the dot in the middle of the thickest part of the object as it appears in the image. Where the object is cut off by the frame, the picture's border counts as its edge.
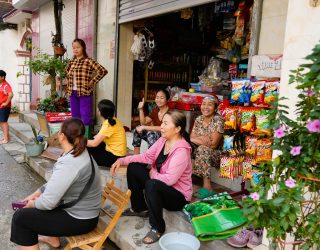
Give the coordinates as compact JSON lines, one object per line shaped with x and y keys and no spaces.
{"x":176,"y":49}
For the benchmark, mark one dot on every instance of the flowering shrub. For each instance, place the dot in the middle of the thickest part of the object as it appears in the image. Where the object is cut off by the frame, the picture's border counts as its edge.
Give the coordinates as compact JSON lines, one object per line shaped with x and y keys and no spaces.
{"x":286,"y":199}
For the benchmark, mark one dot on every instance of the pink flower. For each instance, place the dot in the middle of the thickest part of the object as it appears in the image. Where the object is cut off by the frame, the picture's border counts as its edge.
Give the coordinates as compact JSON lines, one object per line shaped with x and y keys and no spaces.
{"x":310,"y":93}
{"x":279,"y":133}
{"x":296,"y":150}
{"x":314,"y":126}
{"x":255,"y":196}
{"x":290,"y":183}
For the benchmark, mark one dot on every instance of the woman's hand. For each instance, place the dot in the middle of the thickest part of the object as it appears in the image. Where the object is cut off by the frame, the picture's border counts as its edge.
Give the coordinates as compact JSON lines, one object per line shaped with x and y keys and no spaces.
{"x":141,"y":104}
{"x":33,"y":196}
{"x":114,"y":168}
{"x":140,"y":129}
{"x":30,"y":204}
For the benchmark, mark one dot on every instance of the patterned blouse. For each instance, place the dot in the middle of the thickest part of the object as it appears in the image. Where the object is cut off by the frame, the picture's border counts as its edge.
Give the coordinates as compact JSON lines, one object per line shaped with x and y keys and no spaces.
{"x":87,"y":73}
{"x":216,"y":124}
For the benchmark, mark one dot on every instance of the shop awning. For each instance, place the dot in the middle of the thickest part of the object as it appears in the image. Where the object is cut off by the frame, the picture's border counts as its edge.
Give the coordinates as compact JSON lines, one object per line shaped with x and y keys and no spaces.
{"x":131,"y":10}
{"x":17,"y":16}
{"x":30,"y":5}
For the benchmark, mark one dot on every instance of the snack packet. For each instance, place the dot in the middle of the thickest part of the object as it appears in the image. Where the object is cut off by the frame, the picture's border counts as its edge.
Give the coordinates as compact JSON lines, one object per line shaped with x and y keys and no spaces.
{"x":257,"y":95}
{"x":271,"y":92}
{"x":228,"y":142}
{"x":237,"y":94}
{"x":247,"y":168}
{"x":251,"y":145}
{"x":230,"y":117}
{"x":262,"y":123}
{"x":226,"y":167}
{"x":264,"y":151}
{"x":248,"y":119}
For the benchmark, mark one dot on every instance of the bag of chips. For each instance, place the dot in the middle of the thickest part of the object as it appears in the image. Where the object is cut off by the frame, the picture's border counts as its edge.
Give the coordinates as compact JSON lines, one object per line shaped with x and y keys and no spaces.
{"x":228,"y":142}
{"x":248,"y":119}
{"x":262,"y":123}
{"x":230,"y":117}
{"x":271,"y":92}
{"x":257,"y":95}
{"x":247,"y":168}
{"x":251,"y":145}
{"x":237,"y":94}
{"x":264,"y":151}
{"x":226,"y":167}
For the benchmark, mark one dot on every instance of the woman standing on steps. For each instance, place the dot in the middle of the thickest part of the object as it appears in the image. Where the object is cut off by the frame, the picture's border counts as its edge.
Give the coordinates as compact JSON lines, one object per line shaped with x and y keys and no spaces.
{"x":61,"y":207}
{"x":149,"y":129}
{"x":5,"y":106}
{"x":168,"y":183}
{"x":82,"y":73}
{"x":207,"y":135}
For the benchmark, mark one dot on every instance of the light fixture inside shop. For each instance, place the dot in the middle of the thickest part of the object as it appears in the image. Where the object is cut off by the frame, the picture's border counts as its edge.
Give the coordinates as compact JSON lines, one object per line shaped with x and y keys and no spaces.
{"x":314,"y":3}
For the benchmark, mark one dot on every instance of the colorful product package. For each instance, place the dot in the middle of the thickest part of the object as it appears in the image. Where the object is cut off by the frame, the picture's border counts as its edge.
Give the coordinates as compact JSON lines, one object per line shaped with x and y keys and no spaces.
{"x":228,"y":142}
{"x":230,"y":117}
{"x":251,"y":145}
{"x":264,"y":151}
{"x":247,"y":168}
{"x":226,"y":165}
{"x":248,"y":119}
{"x":257,"y":95}
{"x":237,"y":94}
{"x":262,"y":123}
{"x":271,"y":92}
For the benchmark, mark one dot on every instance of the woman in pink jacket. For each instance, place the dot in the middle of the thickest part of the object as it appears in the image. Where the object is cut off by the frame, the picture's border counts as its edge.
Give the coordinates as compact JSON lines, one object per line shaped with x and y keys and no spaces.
{"x":168,"y":183}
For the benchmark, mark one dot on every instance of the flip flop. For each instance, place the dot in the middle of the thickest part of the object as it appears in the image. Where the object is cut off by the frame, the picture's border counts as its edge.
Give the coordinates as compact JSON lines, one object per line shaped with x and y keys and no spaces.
{"x":202,"y":193}
{"x":130,"y":212}
{"x":3,"y":142}
{"x":153,"y":235}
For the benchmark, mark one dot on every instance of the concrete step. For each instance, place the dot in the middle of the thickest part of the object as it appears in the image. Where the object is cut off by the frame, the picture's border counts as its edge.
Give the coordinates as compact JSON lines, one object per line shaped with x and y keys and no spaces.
{"x":30,"y":118}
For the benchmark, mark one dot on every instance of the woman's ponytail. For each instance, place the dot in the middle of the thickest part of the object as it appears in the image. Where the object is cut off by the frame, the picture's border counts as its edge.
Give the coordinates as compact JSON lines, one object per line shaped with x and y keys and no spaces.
{"x":111,"y":121}
{"x":80,"y":144}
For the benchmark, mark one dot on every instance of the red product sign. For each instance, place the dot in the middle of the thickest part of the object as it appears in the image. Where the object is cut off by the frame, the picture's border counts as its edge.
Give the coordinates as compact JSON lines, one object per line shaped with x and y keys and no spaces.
{"x":57,"y":116}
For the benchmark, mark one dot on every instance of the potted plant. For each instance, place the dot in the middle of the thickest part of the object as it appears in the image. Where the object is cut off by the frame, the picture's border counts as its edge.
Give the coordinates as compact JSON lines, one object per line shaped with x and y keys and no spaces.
{"x":48,"y":66}
{"x":37,"y":145}
{"x":286,"y":199}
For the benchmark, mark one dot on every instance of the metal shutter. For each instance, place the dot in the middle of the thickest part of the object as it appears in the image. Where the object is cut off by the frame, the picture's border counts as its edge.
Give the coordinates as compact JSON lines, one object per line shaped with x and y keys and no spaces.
{"x":130,"y":10}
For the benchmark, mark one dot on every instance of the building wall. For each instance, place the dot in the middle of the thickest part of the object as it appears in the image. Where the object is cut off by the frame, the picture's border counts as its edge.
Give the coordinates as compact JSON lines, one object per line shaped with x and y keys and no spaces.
{"x":8,"y":59}
{"x":273,"y":25}
{"x":47,"y":26}
{"x":106,"y":32}
{"x":301,"y":35}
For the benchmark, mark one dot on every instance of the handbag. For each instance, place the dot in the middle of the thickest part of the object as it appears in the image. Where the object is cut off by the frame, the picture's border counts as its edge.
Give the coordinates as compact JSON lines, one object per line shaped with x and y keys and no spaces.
{"x":84,"y":191}
{"x":215,"y":217}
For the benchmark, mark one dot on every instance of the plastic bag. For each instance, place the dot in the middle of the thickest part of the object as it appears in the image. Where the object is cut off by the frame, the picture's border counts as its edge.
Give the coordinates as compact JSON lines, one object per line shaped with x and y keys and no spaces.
{"x":211,"y":76}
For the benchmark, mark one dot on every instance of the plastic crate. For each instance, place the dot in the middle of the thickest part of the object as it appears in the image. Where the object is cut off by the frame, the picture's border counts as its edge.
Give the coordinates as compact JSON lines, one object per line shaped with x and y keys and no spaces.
{"x":171,"y":104}
{"x":187,"y":106}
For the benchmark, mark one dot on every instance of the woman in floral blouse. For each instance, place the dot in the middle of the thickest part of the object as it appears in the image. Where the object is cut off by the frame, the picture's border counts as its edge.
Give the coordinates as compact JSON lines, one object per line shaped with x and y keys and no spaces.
{"x":207,"y":134}
{"x":82,"y":74}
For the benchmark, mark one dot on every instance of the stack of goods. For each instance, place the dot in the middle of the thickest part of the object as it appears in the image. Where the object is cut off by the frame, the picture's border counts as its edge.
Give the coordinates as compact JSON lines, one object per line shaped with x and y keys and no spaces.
{"x":247,"y":140}
{"x":215,"y":217}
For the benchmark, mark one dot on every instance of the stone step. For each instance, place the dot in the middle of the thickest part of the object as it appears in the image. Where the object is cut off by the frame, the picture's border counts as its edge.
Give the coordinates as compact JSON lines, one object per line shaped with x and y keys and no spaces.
{"x":30,"y":118}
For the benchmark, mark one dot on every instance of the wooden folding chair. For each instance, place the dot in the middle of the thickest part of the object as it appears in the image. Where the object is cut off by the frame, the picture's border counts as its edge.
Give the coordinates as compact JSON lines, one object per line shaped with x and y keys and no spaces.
{"x":94,"y":239}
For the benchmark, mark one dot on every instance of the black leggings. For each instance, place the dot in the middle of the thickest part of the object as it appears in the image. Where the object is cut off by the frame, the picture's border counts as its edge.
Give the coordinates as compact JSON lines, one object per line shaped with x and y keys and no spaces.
{"x":153,"y":195}
{"x":28,"y":223}
{"x":102,"y":156}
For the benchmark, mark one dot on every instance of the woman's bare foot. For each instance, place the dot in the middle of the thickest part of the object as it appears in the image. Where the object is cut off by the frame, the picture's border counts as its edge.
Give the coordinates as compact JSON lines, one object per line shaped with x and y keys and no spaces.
{"x":3,"y":141}
{"x":52,"y":241}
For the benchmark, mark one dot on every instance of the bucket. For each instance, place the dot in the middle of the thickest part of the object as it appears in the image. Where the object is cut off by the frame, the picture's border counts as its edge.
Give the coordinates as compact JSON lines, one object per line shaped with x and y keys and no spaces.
{"x":179,"y":241}
{"x":34,"y":149}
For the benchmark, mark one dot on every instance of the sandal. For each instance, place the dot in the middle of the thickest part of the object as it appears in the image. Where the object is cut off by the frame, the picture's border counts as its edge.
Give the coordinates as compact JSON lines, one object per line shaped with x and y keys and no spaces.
{"x":151,"y":237}
{"x":130,"y":212}
{"x":202,"y":193}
